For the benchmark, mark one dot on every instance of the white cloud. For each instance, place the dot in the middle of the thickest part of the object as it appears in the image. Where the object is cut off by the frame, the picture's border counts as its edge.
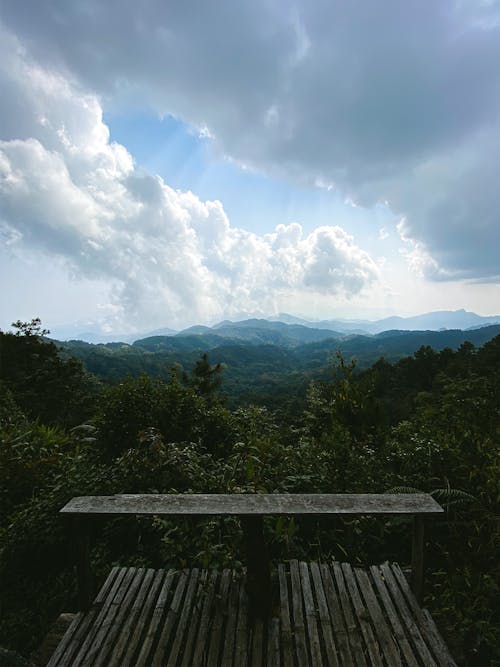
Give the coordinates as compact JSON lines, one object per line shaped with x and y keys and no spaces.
{"x":170,"y":257}
{"x":384,"y":101}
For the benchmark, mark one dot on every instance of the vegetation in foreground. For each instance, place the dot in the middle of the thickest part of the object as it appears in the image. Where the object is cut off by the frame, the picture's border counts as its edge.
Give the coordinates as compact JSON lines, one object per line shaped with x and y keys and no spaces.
{"x":429,"y":422}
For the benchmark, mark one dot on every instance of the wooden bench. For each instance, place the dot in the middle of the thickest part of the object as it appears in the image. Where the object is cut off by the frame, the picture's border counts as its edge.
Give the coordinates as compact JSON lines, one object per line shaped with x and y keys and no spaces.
{"x":251,"y":508}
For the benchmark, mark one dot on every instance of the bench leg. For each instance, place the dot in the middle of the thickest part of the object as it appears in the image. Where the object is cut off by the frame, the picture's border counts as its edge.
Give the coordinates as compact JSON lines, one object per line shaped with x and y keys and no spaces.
{"x":417,"y":558}
{"x":81,"y":537}
{"x":258,"y":566}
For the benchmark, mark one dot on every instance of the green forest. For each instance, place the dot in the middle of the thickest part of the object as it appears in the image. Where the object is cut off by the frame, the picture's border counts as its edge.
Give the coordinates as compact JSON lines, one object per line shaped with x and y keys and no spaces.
{"x":108,"y":423}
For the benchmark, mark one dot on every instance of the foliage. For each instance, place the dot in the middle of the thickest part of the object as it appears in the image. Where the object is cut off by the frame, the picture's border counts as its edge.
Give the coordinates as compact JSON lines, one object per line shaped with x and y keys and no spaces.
{"x":45,"y":382}
{"x":177,"y":412}
{"x":429,"y":422}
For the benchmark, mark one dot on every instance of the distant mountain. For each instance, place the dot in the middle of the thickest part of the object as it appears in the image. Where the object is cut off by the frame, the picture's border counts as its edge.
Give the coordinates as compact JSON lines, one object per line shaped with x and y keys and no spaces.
{"x":75,"y":332}
{"x":290,"y":330}
{"x":394,"y":345}
{"x":164,"y":331}
{"x":291,"y":335}
{"x":291,"y":319}
{"x":180,"y":342}
{"x":433,"y":321}
{"x":252,"y":332}
{"x":99,"y":338}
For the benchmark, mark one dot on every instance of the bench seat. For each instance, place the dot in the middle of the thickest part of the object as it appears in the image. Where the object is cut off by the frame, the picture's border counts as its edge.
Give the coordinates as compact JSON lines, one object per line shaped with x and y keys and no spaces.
{"x":322,"y":615}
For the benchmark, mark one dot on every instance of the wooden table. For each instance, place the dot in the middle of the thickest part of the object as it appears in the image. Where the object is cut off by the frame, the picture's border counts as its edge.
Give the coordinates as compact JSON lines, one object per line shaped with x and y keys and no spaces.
{"x":251,"y":508}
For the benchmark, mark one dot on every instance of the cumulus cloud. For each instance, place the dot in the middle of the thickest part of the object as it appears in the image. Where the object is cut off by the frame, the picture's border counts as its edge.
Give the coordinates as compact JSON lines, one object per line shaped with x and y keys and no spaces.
{"x":389,"y":101}
{"x":67,"y":190}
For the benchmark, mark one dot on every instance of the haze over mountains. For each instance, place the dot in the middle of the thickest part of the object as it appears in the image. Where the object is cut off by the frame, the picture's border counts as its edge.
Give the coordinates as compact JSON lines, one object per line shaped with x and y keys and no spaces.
{"x":254,"y":329}
{"x":433,"y":321}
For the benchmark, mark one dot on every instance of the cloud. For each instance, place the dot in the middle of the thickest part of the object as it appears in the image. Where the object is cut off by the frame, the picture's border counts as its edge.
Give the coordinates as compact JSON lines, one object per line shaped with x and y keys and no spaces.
{"x":454,"y":211}
{"x":69,"y":192}
{"x":389,"y":101}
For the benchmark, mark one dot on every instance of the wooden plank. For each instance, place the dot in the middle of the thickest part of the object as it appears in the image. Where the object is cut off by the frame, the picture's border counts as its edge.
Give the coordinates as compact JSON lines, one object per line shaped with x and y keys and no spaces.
{"x":393,"y":616}
{"x":310,"y":613}
{"x":184,"y":618}
{"x":200,"y":650}
{"x":96,"y":623}
{"x":353,"y":633}
{"x":371,"y":643}
{"x":119,"y":630}
{"x":106,"y":622}
{"x":66,"y":639}
{"x":258,"y":643}
{"x":406,"y":617}
{"x":231,"y":624}
{"x":425,"y":621}
{"x":254,"y":504}
{"x":439,"y":647}
{"x":324,"y":617}
{"x":190,"y":644}
{"x":170,"y":621}
{"x":286,"y":627}
{"x":384,"y":635}
{"x":72,"y":641}
{"x":219,"y":618}
{"x":273,"y":642}
{"x":241,"y":647}
{"x":338,"y":621}
{"x":156,"y":618}
{"x":138,"y":618}
{"x":298,"y":616}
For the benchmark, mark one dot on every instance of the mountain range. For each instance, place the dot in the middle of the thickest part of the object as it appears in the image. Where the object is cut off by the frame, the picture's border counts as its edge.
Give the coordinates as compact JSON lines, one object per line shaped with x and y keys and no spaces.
{"x":262,"y":358}
{"x":254,"y":328}
{"x":433,"y":321}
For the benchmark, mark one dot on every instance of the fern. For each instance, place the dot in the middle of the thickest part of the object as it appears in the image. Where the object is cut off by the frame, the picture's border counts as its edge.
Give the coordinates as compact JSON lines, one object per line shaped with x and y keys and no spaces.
{"x":447,"y":497}
{"x":453,"y":497}
{"x":404,"y":489}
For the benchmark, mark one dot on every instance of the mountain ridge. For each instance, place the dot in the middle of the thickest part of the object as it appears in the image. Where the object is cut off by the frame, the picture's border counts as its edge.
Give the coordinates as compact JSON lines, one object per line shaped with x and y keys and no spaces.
{"x":254,"y":369}
{"x":432,"y":321}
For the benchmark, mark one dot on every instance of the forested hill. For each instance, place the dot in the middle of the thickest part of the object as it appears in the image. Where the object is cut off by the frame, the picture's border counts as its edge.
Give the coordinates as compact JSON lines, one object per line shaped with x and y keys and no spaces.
{"x":263,"y":363}
{"x":427,"y":422}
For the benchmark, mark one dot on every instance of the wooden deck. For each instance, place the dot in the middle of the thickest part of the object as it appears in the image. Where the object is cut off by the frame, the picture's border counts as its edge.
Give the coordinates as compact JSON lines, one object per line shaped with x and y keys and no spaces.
{"x":324,"y":615}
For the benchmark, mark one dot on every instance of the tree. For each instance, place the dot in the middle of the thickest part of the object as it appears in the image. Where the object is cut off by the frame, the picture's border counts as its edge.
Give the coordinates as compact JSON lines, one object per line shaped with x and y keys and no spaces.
{"x":206,"y":379}
{"x":45,"y":383}
{"x":33,"y":328}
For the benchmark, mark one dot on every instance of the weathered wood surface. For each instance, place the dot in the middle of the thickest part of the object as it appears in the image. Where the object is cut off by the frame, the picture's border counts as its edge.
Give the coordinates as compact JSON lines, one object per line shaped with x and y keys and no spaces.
{"x":324,"y":615}
{"x":259,"y":504}
{"x":251,"y":508}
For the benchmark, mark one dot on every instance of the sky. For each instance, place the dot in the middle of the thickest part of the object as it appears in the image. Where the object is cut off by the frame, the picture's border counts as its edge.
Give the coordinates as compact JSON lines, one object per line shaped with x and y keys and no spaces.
{"x":166,"y":163}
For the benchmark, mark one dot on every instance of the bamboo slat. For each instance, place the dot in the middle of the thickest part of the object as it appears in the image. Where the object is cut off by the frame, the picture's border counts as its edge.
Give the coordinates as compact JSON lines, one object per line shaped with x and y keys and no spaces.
{"x":324,"y":618}
{"x":310,"y":612}
{"x":338,"y":622}
{"x":355,"y":639}
{"x":298,"y":616}
{"x":371,"y":643}
{"x":407,"y":617}
{"x":325,"y":615}
{"x":241,"y":649}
